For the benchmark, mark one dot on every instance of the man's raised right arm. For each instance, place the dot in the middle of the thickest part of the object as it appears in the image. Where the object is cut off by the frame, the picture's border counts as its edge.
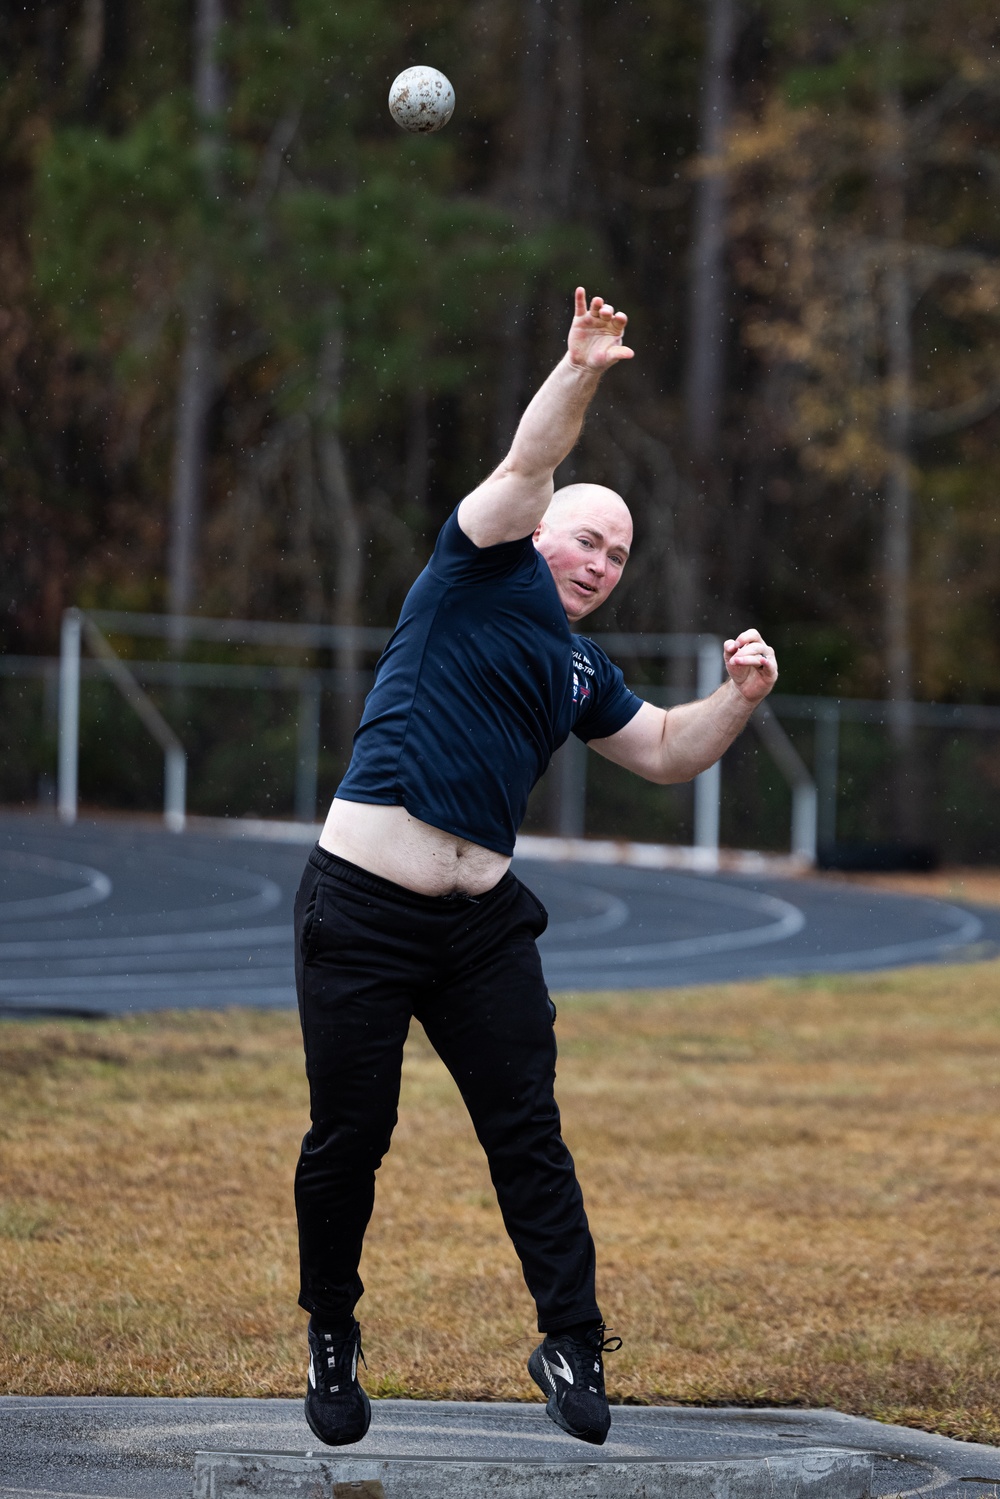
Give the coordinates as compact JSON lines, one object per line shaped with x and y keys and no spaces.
{"x":514,"y":498}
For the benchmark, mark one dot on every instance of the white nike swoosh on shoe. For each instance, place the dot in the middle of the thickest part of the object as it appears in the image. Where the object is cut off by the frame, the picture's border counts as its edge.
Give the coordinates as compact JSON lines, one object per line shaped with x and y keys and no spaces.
{"x":312,"y":1372}
{"x":565,"y":1372}
{"x":354,"y":1366}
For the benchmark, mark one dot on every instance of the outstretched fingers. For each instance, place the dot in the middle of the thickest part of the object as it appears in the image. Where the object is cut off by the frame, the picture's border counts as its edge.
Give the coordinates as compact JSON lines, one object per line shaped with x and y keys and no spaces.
{"x":596,"y":336}
{"x":602,"y":313}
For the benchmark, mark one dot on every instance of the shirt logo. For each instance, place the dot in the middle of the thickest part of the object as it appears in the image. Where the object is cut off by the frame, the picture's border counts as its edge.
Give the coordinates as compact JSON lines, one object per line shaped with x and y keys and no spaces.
{"x":583,"y":689}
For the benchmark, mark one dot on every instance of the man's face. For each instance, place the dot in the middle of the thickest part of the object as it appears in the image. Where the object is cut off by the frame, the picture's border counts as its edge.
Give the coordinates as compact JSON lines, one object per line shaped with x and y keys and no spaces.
{"x":585,"y":537}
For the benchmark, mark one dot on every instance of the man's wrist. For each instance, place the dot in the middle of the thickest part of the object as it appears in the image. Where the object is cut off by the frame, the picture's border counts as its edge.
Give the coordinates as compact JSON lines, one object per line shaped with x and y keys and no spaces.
{"x":583,"y":370}
{"x":739,"y":698}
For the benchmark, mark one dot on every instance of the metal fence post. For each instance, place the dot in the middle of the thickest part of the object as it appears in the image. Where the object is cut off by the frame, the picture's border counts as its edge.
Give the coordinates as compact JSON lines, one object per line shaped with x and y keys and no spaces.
{"x":569,"y":766}
{"x":307,"y":749}
{"x":796,"y":773}
{"x":174,"y":758}
{"x":827,"y":769}
{"x":804,"y":803}
{"x":69,"y":715}
{"x":174,"y":788}
{"x":708,"y":786}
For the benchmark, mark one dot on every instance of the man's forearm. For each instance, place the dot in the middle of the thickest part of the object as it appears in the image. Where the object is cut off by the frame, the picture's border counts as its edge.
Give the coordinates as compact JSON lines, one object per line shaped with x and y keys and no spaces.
{"x":695,"y":735}
{"x":512,"y":501}
{"x":517,"y":494}
{"x":552,"y":422}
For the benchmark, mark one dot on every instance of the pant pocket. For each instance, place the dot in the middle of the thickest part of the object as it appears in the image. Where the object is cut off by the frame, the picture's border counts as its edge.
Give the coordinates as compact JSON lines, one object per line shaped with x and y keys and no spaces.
{"x":309,"y":923}
{"x":538,"y":916}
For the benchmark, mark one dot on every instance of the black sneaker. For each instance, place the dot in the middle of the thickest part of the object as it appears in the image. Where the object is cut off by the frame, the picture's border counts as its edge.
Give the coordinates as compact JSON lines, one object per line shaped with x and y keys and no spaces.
{"x":337,"y":1408}
{"x":570,"y":1371}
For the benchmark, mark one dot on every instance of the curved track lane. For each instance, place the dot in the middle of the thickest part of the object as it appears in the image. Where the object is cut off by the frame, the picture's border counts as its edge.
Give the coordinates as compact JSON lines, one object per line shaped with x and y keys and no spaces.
{"x":110,"y":918}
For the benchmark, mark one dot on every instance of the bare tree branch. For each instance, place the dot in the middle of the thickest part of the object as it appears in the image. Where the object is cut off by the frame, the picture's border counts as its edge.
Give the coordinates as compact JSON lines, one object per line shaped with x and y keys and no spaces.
{"x":273,"y":160}
{"x":928,"y":116}
{"x":956,"y":418}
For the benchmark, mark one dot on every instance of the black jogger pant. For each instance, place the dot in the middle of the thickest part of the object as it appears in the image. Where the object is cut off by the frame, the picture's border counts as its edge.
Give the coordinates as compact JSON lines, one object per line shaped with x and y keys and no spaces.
{"x":369,"y":955}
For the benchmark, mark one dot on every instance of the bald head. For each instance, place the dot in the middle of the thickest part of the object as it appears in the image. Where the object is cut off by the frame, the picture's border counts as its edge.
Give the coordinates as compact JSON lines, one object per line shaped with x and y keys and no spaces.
{"x":585,"y":536}
{"x":584,"y":499}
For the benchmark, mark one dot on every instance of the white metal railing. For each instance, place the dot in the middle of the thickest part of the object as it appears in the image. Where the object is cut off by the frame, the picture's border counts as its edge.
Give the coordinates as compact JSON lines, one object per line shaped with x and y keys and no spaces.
{"x":805,"y":799}
{"x":708,"y":786}
{"x":569,"y":766}
{"x":77,"y":627}
{"x":570,"y":763}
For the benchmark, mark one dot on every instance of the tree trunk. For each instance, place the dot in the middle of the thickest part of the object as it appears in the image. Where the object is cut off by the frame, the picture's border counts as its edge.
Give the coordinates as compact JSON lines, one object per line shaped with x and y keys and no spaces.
{"x":567,"y":143}
{"x":102,"y":49}
{"x":344,"y":534}
{"x":525,"y":196}
{"x":304,"y":528}
{"x":91,"y":37}
{"x":899,"y":498}
{"x":207,"y":73}
{"x":898,"y":512}
{"x":196,"y":384}
{"x":194,"y":399}
{"x":671,"y":535}
{"x":708,"y":325}
{"x":416,"y":474}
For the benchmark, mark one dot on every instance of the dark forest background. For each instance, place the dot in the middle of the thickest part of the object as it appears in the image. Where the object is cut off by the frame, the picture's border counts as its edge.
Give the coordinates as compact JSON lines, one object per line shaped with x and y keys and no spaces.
{"x":255,"y":342}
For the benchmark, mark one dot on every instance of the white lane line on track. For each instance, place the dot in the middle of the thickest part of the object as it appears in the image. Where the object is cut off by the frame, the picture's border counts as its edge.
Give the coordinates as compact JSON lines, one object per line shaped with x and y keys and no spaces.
{"x":900,"y":953}
{"x":122,"y":983}
{"x":786,"y":921}
{"x":139,"y":966}
{"x":67,"y":949}
{"x":266,"y":893}
{"x":611,"y":912}
{"x":187,"y":999}
{"x":968,"y":929}
{"x":92,"y":886}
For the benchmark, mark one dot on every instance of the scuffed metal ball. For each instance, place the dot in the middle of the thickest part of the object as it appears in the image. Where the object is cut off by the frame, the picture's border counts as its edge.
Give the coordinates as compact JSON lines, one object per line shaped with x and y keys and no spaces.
{"x":421,"y":100}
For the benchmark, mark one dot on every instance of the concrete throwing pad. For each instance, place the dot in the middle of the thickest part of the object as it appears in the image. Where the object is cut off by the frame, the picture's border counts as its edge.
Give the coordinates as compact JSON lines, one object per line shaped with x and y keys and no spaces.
{"x":809,"y":1473}
{"x":143,"y":1447}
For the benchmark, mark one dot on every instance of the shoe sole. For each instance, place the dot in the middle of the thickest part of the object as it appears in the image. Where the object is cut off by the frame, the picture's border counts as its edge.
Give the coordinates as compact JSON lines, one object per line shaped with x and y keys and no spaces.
{"x":341,"y":1441}
{"x":537,"y":1371}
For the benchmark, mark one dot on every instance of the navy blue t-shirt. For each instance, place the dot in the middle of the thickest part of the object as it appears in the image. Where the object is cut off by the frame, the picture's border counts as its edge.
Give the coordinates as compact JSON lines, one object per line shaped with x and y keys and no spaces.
{"x":480,"y":683}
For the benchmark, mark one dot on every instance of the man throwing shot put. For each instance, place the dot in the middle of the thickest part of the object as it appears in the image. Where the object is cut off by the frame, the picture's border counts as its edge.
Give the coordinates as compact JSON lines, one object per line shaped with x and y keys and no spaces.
{"x":408,"y":907}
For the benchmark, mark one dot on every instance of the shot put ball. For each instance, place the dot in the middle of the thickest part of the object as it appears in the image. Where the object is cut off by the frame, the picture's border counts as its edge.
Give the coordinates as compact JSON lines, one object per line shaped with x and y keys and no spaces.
{"x":421,"y":100}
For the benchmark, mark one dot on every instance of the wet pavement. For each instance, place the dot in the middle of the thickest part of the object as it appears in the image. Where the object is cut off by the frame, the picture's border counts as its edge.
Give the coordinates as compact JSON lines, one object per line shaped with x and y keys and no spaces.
{"x":135,"y":1448}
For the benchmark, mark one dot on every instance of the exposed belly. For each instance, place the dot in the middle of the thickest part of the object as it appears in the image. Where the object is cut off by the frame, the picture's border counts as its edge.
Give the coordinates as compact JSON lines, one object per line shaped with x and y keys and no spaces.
{"x":388,"y":842}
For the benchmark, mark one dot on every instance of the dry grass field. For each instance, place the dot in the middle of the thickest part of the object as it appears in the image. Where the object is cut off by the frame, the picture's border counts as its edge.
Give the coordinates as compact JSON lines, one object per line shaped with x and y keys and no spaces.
{"x":794,"y":1187}
{"x":977,"y":884}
